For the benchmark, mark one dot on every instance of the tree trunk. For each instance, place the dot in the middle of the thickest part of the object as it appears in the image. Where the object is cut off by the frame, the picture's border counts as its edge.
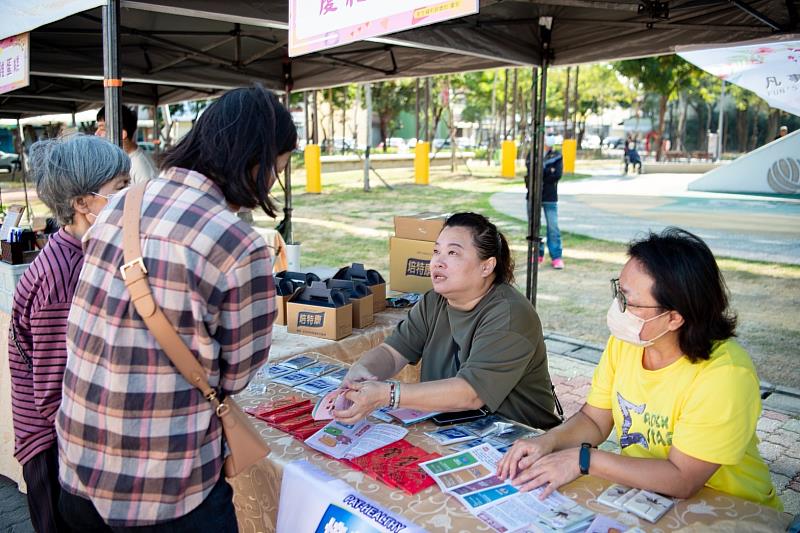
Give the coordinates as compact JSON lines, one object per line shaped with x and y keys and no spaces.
{"x":330,"y":110}
{"x":662,"y":112}
{"x":754,"y":136}
{"x":742,"y":127}
{"x":683,"y":108}
{"x":344,"y":117}
{"x":384,"y":127}
{"x":772,"y":124}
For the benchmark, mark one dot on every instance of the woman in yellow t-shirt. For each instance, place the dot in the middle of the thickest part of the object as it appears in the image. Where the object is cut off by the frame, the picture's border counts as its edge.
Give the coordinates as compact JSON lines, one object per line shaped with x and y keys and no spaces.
{"x":682,"y":395}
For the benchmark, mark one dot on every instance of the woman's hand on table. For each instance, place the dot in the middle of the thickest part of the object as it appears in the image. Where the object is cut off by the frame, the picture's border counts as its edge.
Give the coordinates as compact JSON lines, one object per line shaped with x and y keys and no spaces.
{"x":522,"y":455}
{"x":366,"y":397}
{"x":550,"y":471}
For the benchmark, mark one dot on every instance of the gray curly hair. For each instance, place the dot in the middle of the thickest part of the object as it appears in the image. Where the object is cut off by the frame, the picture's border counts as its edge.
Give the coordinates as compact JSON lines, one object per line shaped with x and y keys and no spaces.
{"x":73,"y":166}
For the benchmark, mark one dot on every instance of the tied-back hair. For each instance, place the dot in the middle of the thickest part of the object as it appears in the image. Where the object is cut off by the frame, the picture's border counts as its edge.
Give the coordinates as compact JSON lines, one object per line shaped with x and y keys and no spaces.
{"x":73,"y":166}
{"x":688,"y":280}
{"x":489,"y":242}
{"x":245,"y":130}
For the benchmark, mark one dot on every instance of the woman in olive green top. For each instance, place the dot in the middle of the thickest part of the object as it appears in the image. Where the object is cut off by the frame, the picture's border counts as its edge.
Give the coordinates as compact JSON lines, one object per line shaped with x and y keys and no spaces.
{"x":479,"y":340}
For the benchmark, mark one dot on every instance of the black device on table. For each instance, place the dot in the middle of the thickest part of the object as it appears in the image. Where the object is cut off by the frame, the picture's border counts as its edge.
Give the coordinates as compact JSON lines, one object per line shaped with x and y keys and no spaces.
{"x":459,"y":417}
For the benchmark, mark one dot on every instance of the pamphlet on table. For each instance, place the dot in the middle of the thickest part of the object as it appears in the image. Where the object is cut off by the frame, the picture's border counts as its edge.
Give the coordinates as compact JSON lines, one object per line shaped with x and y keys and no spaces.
{"x":343,"y":441}
{"x":470,"y":476}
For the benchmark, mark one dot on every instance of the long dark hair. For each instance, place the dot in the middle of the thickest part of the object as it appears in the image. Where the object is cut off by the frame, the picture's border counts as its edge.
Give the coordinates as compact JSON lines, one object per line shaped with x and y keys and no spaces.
{"x":489,"y":242}
{"x":687,"y":279}
{"x":245,"y":129}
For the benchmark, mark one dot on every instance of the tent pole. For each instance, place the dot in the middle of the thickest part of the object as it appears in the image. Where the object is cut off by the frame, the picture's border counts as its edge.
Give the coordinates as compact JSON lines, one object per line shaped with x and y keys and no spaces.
{"x":428,"y":109}
{"x":156,"y":129}
{"x":535,"y":196}
{"x":287,"y":184}
{"x":314,"y":130}
{"x":368,"y":98}
{"x":531,"y":160}
{"x":721,"y":121}
{"x":566,"y":104}
{"x":112,"y":81}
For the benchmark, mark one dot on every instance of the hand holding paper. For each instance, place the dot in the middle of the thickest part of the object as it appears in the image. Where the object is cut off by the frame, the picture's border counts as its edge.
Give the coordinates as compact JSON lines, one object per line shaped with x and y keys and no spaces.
{"x":335,"y":400}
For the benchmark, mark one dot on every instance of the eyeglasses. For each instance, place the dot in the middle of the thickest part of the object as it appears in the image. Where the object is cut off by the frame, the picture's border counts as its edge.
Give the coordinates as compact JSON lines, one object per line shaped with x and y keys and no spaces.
{"x":622,"y":301}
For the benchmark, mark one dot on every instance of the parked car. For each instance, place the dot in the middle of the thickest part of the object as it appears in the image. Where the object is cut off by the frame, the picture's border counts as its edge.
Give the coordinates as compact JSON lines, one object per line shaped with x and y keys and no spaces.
{"x":9,"y":162}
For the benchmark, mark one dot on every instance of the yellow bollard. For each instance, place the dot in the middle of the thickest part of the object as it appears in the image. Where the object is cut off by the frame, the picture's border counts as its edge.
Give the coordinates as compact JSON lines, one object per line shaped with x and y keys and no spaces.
{"x":508,"y":159}
{"x":313,"y":168}
{"x":569,"y":149}
{"x":422,"y":163}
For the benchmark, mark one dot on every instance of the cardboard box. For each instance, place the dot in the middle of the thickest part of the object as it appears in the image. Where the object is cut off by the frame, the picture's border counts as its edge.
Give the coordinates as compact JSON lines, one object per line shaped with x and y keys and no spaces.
{"x":314,"y":312}
{"x":372,"y":278}
{"x":410,"y":265}
{"x":420,"y":227}
{"x":378,"y":297}
{"x":361,"y":299}
{"x":280,"y":303}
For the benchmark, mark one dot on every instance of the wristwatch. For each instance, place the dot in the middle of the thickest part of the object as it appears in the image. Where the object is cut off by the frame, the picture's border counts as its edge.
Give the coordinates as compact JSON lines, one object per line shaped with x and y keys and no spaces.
{"x":584,"y":458}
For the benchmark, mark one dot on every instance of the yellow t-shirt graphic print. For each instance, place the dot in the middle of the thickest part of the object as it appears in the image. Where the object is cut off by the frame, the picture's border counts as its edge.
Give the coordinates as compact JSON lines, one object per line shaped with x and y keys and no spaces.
{"x":708,"y":410}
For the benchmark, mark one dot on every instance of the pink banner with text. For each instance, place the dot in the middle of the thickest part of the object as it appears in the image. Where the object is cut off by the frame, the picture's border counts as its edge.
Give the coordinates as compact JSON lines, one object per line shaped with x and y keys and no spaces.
{"x":14,"y":63}
{"x":319,"y":24}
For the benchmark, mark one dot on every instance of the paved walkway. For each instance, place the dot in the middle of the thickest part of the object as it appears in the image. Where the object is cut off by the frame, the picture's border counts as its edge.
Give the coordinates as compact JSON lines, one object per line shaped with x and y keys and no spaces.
{"x":618,"y":208}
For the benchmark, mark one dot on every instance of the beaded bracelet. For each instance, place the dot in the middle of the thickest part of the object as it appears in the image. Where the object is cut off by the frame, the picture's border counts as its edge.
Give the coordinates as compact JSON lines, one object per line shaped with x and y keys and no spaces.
{"x":394,"y":394}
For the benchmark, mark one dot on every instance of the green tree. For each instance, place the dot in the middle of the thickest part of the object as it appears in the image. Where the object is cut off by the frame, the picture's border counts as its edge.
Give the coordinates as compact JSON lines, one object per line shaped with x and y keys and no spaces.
{"x":389,"y":98}
{"x":664,"y":76}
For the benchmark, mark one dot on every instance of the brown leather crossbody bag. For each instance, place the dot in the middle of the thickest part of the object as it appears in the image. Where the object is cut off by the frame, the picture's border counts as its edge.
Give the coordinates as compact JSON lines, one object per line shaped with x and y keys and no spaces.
{"x":245,"y":445}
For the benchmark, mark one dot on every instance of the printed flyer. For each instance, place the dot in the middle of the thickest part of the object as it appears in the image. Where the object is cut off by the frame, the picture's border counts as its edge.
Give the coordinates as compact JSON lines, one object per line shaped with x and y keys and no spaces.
{"x":470,"y":476}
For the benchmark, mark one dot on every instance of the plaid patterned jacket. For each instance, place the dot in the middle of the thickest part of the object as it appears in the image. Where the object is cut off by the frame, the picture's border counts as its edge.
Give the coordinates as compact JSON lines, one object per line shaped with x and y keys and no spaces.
{"x":134,"y":437}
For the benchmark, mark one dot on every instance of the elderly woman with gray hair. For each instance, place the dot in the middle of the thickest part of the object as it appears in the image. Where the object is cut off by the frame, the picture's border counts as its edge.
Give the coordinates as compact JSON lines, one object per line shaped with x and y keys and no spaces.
{"x":75,"y":176}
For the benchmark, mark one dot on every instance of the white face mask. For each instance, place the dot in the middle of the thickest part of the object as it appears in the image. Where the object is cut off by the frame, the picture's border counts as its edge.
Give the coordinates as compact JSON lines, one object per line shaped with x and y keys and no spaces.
{"x":628,"y":327}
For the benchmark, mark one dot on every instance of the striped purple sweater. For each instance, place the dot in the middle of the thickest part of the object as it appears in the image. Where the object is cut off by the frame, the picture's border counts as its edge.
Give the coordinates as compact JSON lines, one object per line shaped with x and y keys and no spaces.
{"x":41,"y":305}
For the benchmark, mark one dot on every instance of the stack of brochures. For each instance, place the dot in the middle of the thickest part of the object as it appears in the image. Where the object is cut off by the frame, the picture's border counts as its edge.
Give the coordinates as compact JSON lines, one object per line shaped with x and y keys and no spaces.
{"x":470,"y":476}
{"x":642,"y":503}
{"x":306,"y":373}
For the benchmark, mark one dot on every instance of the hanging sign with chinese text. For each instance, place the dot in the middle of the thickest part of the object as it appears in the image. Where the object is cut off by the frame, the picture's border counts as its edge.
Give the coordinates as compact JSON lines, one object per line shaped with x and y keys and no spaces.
{"x":320,"y":24}
{"x":15,"y":53}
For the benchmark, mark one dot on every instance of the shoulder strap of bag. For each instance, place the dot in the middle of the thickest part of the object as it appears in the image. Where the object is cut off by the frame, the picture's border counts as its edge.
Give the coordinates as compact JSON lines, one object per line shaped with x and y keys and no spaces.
{"x":134,"y":274}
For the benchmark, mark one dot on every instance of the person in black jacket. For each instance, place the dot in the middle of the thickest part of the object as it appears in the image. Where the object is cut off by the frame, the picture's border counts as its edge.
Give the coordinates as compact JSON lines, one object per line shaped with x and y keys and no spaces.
{"x":553,"y":169}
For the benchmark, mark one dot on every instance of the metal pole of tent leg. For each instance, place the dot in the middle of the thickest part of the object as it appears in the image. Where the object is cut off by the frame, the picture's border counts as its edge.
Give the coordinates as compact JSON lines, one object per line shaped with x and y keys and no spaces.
{"x":721,"y":121}
{"x":368,"y":98}
{"x":314,"y":128}
{"x":112,"y":81}
{"x":428,"y":137}
{"x":532,"y":242}
{"x":287,"y":184}
{"x":575,"y":105}
{"x":156,"y":131}
{"x":505,"y":105}
{"x":545,"y":24}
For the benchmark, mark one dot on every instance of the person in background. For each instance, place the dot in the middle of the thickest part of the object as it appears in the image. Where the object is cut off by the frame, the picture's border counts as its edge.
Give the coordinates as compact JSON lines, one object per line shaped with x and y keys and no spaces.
{"x":74,"y":177}
{"x":479,"y":340}
{"x":783,"y":132}
{"x":138,"y":444}
{"x":681,"y":393}
{"x":142,"y":167}
{"x":553,"y":170}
